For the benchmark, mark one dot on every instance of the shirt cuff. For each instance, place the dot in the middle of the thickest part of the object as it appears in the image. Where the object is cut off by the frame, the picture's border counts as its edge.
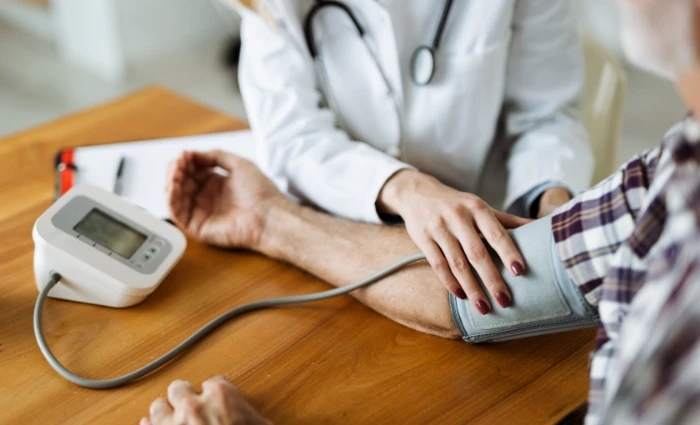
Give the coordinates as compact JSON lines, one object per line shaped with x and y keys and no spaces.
{"x":522,"y":206}
{"x":370,"y":213}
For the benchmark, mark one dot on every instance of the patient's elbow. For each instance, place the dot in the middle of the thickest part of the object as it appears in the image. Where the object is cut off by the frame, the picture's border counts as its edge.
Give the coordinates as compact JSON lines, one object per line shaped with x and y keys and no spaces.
{"x":441,"y":325}
{"x":452,"y":333}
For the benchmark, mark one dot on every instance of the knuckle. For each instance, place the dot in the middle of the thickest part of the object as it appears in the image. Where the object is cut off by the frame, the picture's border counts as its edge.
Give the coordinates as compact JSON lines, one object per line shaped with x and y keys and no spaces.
{"x":191,"y":405}
{"x":178,"y":382}
{"x":436,"y":224}
{"x":222,"y":387}
{"x":458,"y":264}
{"x":457,"y":210}
{"x":497,"y":235}
{"x":439,"y":264}
{"x":157,"y":402}
{"x":476,"y":253}
{"x":492,"y":281}
{"x":422,"y":236}
{"x":491,"y":284}
{"x":478,"y":204}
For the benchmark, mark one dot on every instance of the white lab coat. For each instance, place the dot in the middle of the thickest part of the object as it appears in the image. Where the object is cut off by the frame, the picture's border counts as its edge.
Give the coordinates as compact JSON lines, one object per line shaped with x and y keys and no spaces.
{"x":516,"y":60}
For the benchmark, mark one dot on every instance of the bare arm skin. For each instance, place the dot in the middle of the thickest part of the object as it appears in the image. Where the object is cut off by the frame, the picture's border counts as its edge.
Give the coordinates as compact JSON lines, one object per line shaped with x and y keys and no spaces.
{"x":244,"y":209}
{"x":341,"y":252}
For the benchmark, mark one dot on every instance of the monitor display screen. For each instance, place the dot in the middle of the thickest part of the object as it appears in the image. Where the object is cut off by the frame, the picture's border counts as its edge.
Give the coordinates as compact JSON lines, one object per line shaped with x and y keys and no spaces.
{"x":110,"y":233}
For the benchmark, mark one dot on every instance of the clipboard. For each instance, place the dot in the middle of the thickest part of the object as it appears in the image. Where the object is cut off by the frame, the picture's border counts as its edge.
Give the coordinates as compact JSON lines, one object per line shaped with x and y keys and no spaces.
{"x":145,"y":165}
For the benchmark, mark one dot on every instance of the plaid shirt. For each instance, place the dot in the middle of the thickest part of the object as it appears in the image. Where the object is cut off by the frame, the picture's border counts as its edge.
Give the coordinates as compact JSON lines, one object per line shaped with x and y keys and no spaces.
{"x":631,"y":245}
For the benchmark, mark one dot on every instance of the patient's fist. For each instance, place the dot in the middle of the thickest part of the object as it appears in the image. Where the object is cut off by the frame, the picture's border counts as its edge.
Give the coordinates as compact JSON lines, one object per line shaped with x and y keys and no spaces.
{"x":223,"y":209}
{"x":220,"y":403}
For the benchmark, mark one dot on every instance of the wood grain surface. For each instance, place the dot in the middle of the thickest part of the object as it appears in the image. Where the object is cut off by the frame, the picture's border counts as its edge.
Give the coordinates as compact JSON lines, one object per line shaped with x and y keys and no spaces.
{"x":329,"y":362}
{"x":42,"y":3}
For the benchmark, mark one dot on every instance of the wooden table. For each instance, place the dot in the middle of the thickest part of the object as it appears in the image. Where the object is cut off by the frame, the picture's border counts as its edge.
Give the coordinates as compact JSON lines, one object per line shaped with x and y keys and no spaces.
{"x":330,"y":362}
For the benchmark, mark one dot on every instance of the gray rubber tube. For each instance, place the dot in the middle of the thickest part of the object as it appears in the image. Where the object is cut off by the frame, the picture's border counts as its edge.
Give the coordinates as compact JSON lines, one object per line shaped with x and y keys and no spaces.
{"x":201,"y":333}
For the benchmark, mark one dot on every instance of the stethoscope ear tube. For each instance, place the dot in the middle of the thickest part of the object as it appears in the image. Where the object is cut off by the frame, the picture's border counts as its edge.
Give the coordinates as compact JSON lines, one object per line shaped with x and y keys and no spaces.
{"x":308,"y":22}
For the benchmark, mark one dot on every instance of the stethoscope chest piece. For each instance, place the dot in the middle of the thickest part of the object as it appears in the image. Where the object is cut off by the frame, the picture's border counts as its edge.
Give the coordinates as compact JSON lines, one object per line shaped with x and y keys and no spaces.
{"x":423,"y":65}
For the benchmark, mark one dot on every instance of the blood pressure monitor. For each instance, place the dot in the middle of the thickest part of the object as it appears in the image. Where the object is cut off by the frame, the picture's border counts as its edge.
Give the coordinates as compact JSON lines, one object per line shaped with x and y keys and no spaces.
{"x":94,"y":247}
{"x":107,"y":250}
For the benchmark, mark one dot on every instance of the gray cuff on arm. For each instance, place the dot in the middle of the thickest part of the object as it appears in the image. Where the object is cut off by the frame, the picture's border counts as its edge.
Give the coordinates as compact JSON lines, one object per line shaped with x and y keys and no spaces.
{"x":545,"y":300}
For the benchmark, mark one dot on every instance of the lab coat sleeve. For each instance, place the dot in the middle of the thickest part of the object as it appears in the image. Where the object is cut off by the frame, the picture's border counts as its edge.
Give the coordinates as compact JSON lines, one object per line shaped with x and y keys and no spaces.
{"x":543,"y":88}
{"x":298,"y":144}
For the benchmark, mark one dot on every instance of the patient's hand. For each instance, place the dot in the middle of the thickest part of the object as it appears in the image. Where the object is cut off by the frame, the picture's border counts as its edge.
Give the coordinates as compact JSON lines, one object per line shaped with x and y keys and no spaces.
{"x":220,"y":403}
{"x":224,"y":210}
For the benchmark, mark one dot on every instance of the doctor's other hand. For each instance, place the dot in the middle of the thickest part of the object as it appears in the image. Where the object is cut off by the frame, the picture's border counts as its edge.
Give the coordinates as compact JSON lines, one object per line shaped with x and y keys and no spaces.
{"x":552,"y":199}
{"x":226,"y":210}
{"x":219,"y":403}
{"x":445,"y":225}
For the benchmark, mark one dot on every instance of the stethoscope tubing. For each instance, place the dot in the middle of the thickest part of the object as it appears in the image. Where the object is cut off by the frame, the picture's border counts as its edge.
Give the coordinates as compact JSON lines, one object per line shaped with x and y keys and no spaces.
{"x":420,"y":77}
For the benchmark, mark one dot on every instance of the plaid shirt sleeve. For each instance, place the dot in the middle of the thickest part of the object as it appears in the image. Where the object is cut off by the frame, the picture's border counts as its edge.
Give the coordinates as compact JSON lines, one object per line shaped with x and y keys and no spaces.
{"x":590,"y":228}
{"x":654,"y":374}
{"x":607,"y":239}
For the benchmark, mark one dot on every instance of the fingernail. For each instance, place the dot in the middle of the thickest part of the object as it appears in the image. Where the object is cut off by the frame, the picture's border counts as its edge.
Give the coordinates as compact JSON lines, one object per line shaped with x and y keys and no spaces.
{"x":460,"y":293}
{"x":482,"y":307}
{"x":517,"y":268}
{"x":503,"y":299}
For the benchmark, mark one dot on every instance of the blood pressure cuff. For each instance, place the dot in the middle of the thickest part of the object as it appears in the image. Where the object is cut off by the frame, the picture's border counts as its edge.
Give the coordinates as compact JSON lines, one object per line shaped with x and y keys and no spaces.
{"x":545,"y":300}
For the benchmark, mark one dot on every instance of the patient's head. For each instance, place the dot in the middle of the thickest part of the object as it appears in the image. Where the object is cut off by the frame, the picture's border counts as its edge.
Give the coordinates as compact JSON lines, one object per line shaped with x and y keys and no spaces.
{"x":661,"y":36}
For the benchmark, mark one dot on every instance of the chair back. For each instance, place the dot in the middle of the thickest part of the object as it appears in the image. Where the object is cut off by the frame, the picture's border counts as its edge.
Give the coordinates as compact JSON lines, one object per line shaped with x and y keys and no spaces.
{"x":602,"y":106}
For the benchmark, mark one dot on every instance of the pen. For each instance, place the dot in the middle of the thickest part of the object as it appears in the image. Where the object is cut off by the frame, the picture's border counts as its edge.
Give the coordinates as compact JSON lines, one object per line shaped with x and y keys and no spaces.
{"x":118,"y":181}
{"x":61,"y":168}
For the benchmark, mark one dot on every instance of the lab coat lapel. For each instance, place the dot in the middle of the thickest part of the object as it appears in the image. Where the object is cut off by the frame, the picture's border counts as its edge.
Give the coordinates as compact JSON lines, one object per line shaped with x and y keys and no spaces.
{"x":383,"y":36}
{"x":292,"y":14}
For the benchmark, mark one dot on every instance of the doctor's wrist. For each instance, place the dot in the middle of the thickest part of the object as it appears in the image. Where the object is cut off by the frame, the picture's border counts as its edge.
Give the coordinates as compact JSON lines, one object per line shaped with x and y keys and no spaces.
{"x":550,"y":200}
{"x":396,"y":190}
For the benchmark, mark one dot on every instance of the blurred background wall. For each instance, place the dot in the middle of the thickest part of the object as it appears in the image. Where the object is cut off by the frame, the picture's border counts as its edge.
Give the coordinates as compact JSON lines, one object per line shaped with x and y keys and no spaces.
{"x":651,"y":104}
{"x":60,"y":56}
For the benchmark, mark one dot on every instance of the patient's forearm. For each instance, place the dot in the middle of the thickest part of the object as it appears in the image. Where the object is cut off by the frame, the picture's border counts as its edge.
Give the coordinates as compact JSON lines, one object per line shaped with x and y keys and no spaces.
{"x":342,"y":252}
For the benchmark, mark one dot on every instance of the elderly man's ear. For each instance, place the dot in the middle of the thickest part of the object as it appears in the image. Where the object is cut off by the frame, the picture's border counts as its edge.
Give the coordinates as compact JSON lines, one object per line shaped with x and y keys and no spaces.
{"x":688,"y":83}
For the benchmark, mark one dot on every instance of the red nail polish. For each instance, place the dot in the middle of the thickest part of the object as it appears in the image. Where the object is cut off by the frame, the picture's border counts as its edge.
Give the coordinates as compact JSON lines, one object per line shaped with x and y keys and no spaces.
{"x":517,"y":268}
{"x":503,"y":299}
{"x":482,"y":307}
{"x":460,"y":293}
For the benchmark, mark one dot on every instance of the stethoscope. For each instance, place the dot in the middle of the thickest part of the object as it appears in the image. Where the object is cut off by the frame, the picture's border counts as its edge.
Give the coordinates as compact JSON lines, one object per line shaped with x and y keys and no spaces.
{"x":422,"y":59}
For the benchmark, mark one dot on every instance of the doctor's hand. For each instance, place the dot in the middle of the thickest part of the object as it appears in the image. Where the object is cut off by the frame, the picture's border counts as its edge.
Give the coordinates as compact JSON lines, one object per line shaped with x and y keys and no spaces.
{"x":445,"y":224}
{"x":226,"y":210}
{"x":219,"y":403}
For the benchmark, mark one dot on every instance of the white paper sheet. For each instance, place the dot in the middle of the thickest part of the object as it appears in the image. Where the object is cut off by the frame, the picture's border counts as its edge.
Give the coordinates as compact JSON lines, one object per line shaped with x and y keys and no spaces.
{"x":146,"y":161}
